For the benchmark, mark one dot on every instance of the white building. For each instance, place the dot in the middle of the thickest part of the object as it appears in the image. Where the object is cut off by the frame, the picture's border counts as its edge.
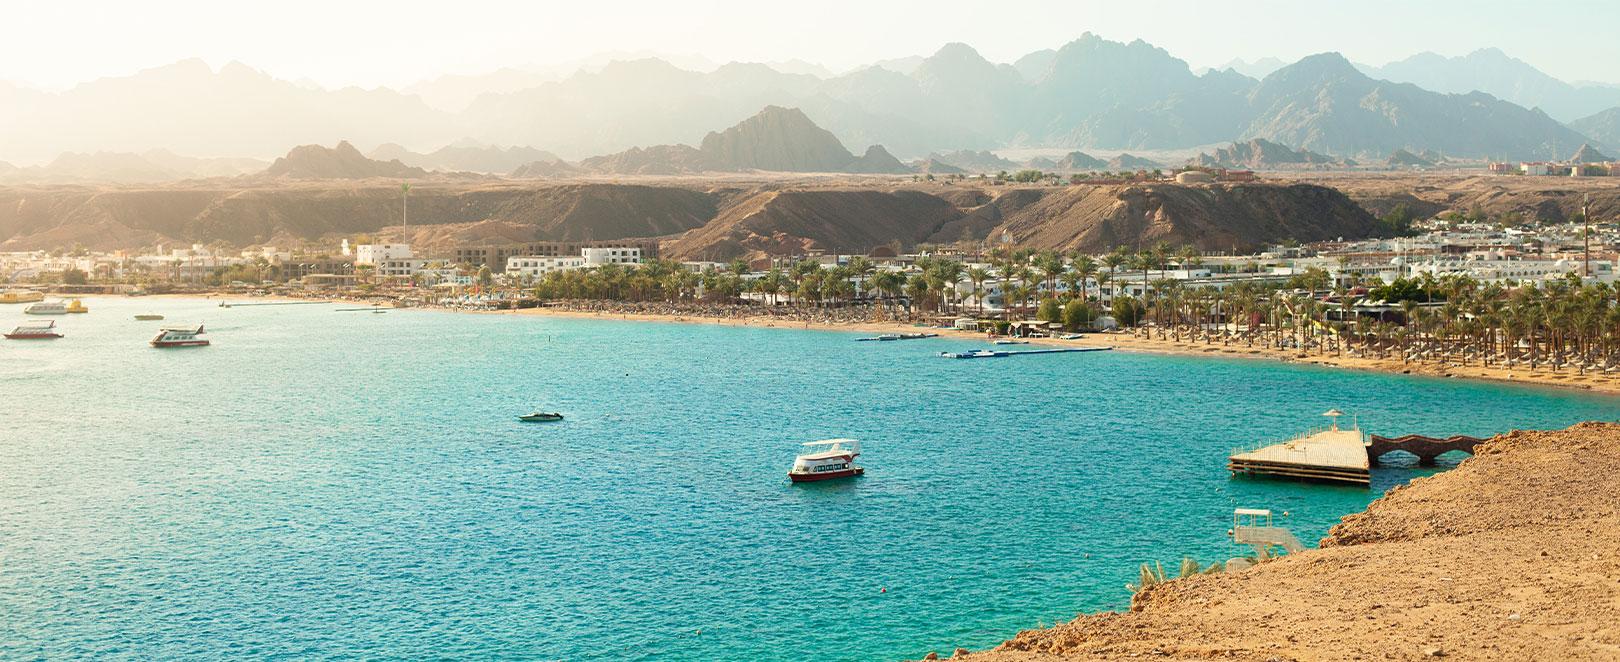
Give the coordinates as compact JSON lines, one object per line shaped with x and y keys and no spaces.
{"x":374,"y":254}
{"x":596,"y":257}
{"x":535,"y":266}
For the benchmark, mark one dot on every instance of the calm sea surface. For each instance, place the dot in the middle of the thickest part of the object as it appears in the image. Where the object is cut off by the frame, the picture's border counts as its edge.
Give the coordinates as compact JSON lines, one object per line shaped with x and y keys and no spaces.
{"x":323,"y":484}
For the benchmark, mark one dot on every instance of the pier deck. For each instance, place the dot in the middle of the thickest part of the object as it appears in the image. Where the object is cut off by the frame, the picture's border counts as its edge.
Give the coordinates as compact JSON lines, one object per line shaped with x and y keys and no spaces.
{"x":998,"y":353}
{"x":1332,"y":455}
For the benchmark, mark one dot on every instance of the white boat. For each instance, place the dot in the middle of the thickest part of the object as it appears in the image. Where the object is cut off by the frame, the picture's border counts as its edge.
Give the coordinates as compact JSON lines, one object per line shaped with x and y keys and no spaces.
{"x":834,"y":459}
{"x":47,"y":308}
{"x":179,"y":336}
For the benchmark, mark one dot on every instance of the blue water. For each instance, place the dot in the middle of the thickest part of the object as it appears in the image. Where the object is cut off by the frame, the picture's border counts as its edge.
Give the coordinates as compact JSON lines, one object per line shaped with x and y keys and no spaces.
{"x":324,"y":484}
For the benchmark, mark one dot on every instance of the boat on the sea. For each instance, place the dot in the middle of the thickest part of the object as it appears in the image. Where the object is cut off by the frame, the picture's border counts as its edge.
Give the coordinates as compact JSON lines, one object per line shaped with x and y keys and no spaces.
{"x":35,"y":331}
{"x":148,"y":317}
{"x":179,"y":336}
{"x":20,"y":296}
{"x":1009,"y":342}
{"x":77,"y":306}
{"x":834,"y":458}
{"x":46,"y":308}
{"x":540,"y":417}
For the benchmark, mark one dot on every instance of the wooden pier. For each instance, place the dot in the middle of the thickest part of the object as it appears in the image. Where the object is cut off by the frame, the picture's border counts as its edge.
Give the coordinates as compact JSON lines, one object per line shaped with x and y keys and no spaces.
{"x":1338,"y":455}
{"x":998,"y":353}
{"x":1329,"y":455}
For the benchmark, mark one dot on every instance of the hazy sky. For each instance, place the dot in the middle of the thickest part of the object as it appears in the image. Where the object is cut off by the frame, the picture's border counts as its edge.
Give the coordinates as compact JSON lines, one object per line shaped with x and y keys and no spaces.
{"x":365,"y":42}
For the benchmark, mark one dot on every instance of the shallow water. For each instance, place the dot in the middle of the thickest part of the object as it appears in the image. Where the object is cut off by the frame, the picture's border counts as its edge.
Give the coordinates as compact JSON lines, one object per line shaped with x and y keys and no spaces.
{"x":324,"y":484}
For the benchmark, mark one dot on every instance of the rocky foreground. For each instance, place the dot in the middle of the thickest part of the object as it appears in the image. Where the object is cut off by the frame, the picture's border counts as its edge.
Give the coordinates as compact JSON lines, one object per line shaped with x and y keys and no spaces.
{"x":1513,"y":555}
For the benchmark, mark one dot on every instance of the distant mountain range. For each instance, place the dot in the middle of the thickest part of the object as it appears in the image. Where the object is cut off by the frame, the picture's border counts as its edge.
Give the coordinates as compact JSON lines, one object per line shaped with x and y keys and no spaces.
{"x":1493,"y":72}
{"x":1091,"y":93}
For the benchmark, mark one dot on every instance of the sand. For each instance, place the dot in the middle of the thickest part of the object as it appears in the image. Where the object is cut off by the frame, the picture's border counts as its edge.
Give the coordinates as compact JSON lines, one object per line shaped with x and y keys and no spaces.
{"x":1608,"y":384}
{"x":1510,"y":556}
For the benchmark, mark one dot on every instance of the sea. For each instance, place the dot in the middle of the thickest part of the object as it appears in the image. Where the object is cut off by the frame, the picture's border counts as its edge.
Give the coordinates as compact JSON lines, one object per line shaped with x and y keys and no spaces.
{"x":330,"y":483}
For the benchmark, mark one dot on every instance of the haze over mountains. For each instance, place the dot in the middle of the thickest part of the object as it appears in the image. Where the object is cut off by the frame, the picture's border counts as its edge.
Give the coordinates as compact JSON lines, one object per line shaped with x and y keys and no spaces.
{"x":1091,"y":93}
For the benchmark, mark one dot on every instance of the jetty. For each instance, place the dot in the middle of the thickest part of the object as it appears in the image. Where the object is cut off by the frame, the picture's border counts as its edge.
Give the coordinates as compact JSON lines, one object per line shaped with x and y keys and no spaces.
{"x":1328,"y":454}
{"x":998,"y":353}
{"x":1337,"y":455}
{"x":898,"y":336}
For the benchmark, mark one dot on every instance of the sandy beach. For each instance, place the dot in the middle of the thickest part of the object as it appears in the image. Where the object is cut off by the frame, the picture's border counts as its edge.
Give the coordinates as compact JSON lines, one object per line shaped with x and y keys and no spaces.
{"x":1609,"y":384}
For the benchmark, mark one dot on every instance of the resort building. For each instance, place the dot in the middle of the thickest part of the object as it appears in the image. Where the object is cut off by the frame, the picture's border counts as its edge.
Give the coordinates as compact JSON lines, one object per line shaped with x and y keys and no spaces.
{"x":495,"y":256}
{"x":535,"y":266}
{"x":375,"y":254}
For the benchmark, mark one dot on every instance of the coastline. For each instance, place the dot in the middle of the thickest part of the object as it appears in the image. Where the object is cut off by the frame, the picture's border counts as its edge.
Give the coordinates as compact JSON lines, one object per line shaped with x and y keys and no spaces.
{"x":1594,"y":383}
{"x":1591,"y":383}
{"x":1493,"y":560}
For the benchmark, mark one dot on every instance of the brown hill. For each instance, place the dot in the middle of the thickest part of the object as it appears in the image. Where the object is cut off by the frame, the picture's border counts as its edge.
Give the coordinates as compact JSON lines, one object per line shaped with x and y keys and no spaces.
{"x":1259,"y":154}
{"x":778,"y":222}
{"x":877,"y":161}
{"x":1098,"y":218}
{"x":717,"y":222}
{"x":340,"y":162}
{"x":1588,"y":154}
{"x":1131,"y":162}
{"x":779,"y":139}
{"x":104,"y":220}
{"x":655,"y":160}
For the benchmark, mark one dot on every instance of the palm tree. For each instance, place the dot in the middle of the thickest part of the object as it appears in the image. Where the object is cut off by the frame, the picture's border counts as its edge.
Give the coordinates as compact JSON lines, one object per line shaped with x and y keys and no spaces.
{"x":1086,"y":267}
{"x":978,"y":275}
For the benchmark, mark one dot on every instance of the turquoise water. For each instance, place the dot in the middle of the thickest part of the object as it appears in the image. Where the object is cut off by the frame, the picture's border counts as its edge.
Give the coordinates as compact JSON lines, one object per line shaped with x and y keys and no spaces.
{"x":324,"y":484}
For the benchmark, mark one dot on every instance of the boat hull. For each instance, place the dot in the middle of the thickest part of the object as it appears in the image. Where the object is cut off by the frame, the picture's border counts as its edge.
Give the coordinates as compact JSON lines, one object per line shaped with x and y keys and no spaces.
{"x":33,"y":336}
{"x":825,"y":475}
{"x":179,"y":343}
{"x":540,"y":419}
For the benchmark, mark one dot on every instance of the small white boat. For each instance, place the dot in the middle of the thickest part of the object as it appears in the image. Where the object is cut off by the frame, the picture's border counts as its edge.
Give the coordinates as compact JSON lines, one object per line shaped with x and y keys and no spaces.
{"x":179,"y":336}
{"x":47,"y":308}
{"x":1010,"y":342}
{"x":835,"y":459}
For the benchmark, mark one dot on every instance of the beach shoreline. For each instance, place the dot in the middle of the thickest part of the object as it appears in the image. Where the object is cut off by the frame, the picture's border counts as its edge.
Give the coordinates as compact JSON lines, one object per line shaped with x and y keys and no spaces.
{"x":1122,"y":341}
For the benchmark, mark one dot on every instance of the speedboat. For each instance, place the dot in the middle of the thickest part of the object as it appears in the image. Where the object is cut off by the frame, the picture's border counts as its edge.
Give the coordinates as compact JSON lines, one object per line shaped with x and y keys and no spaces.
{"x":179,"y":336}
{"x":832,"y":458}
{"x":47,"y":308}
{"x":35,"y":331}
{"x":540,"y":417}
{"x":148,"y":318}
{"x":20,"y":296}
{"x":77,"y":306}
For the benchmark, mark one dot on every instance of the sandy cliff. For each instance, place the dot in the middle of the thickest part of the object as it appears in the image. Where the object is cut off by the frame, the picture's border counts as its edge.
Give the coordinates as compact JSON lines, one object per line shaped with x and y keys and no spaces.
{"x":1510,"y":556}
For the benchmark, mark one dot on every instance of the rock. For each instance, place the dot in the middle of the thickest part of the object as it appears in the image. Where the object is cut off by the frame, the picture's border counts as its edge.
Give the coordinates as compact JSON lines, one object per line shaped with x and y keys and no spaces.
{"x":1433,"y":651}
{"x":931,"y":656}
{"x":960,"y":652}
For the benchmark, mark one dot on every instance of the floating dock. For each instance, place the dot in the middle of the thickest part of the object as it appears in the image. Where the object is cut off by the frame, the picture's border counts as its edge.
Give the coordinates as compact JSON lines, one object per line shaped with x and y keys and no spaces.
{"x":1329,"y":455}
{"x":1340,"y":456}
{"x":998,"y":353}
{"x":899,"y":336}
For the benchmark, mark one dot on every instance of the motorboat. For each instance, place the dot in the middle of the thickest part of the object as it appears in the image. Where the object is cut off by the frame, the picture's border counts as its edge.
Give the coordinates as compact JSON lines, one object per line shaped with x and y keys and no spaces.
{"x":541,"y":417}
{"x":77,"y":306}
{"x":179,"y":336}
{"x":47,"y":308}
{"x":148,"y":318}
{"x":827,"y":459}
{"x":35,"y":331}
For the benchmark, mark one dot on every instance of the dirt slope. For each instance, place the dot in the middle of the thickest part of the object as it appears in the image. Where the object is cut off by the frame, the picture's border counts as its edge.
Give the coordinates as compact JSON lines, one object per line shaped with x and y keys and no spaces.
{"x":789,"y":221}
{"x":1098,"y":218}
{"x":120,"y":218}
{"x":1510,"y":556}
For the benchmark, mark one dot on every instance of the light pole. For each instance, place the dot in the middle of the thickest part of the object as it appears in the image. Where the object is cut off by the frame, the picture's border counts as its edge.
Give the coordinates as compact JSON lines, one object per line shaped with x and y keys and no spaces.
{"x":1586,"y":235}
